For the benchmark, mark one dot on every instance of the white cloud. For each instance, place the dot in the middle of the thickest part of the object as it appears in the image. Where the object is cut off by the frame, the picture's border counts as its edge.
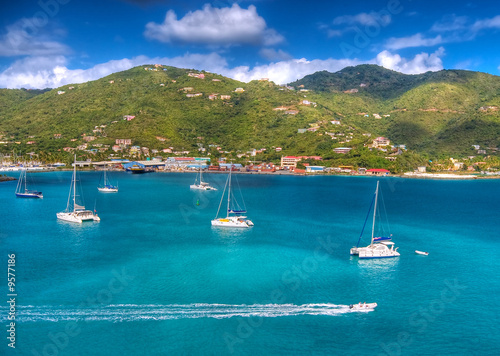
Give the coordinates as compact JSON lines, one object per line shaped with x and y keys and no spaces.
{"x":421,"y":63}
{"x":23,"y":38}
{"x":451,"y":23}
{"x":486,"y":23}
{"x":274,"y":55}
{"x":416,"y":40}
{"x":52,"y":72}
{"x":215,"y":27}
{"x":365,"y":19}
{"x":333,"y":33}
{"x":288,"y":71}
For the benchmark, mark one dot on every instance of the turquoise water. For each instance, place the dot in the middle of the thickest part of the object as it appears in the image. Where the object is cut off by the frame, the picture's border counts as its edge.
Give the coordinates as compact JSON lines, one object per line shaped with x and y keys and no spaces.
{"x":154,"y":278}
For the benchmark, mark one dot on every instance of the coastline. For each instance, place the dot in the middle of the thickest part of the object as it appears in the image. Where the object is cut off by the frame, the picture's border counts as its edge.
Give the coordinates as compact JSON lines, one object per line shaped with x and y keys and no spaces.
{"x":406,"y":175}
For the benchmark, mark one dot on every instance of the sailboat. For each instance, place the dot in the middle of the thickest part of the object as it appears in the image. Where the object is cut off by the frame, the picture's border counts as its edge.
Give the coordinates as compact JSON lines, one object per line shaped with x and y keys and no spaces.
{"x":380,"y":247}
{"x":234,"y":216}
{"x":107,"y":187}
{"x":75,"y":212}
{"x":22,"y":190}
{"x":199,"y":184}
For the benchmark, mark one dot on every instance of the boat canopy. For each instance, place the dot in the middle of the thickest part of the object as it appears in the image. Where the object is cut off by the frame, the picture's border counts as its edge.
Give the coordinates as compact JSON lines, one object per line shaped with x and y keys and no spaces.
{"x":381,"y":238}
{"x":236,"y":211}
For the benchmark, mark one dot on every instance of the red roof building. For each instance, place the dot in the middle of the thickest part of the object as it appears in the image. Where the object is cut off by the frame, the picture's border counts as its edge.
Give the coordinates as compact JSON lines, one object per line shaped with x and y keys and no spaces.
{"x":378,"y":172}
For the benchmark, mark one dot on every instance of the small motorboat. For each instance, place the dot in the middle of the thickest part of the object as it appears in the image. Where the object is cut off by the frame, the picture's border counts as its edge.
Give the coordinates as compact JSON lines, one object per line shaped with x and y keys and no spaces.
{"x":362,"y":306}
{"x":421,"y":253}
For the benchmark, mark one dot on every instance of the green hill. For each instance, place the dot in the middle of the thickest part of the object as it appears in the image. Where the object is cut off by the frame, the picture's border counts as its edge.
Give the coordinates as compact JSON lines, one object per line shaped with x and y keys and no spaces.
{"x":434,"y":114}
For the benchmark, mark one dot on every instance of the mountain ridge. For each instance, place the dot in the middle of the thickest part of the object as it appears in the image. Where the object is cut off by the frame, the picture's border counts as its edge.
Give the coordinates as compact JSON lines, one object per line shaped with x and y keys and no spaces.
{"x":434,"y":114}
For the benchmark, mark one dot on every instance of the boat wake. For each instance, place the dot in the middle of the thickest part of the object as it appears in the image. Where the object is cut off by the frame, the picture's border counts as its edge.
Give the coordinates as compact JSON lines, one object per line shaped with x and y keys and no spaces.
{"x":134,"y":312}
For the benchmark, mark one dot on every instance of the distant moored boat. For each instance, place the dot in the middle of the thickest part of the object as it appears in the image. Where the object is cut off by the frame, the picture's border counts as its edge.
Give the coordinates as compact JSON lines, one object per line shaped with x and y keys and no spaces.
{"x":22,"y":190}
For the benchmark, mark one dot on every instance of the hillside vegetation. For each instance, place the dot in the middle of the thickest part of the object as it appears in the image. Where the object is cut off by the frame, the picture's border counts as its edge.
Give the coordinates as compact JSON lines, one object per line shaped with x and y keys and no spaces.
{"x":434,"y":114}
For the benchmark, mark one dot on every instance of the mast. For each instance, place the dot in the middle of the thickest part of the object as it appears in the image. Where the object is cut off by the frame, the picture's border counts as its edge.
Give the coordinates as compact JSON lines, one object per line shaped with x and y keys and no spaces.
{"x":374,"y":212}
{"x":74,"y":185}
{"x":229,"y":188}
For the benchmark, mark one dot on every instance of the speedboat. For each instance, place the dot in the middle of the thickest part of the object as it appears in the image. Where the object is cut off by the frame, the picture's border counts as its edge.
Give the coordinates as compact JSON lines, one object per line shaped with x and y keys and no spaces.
{"x":421,"y":252}
{"x":363,"y":306}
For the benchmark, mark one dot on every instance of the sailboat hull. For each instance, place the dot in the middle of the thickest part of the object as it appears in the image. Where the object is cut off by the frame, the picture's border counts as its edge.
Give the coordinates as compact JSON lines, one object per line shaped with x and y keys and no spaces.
{"x":232,"y":222}
{"x":201,"y":187}
{"x":38,"y":195}
{"x":107,"y":190}
{"x":374,"y":251}
{"x":78,"y":216}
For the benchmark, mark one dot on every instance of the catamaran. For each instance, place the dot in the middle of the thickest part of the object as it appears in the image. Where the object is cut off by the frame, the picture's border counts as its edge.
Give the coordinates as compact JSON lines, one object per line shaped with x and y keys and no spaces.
{"x":22,"y":190}
{"x":380,"y":247}
{"x":199,"y":184}
{"x":107,"y":187}
{"x":234,"y":216}
{"x":74,"y":212}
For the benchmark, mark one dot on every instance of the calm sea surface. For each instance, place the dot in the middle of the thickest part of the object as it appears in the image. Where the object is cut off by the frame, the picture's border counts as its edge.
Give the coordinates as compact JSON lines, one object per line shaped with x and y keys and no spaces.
{"x":154,"y":278}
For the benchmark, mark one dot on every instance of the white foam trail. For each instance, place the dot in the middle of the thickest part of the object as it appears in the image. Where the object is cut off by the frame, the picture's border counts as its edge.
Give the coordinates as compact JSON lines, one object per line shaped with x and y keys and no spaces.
{"x":133,"y":312}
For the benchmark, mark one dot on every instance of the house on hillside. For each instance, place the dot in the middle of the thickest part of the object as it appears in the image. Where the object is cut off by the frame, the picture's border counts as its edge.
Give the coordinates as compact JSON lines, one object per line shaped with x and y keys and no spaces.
{"x":381,"y":142}
{"x":342,"y":150}
{"x":123,"y":142}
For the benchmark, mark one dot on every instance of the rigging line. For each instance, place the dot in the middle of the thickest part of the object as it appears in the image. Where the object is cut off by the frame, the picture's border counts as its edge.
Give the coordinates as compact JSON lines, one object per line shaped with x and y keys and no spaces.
{"x":386,"y":217}
{"x":241,"y":196}
{"x":366,"y":219}
{"x":223,"y":192}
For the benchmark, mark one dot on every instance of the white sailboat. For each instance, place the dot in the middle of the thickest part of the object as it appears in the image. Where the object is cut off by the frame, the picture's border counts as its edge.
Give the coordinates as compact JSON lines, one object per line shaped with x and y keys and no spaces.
{"x":74,"y":212}
{"x":107,"y":187}
{"x":234,"y":216}
{"x":22,"y":190}
{"x":199,"y":184}
{"x":380,"y":247}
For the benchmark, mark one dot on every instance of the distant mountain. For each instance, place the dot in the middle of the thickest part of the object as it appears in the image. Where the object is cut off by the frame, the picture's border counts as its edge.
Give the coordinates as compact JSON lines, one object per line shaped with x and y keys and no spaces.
{"x":434,"y":114}
{"x":442,"y":112}
{"x":386,"y":84}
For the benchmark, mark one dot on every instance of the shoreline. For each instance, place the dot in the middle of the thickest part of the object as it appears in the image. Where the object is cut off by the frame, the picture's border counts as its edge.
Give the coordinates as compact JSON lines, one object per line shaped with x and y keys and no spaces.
{"x":406,"y":175}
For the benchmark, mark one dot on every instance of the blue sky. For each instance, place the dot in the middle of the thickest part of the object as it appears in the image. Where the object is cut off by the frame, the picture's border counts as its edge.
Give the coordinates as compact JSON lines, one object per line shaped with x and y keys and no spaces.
{"x":49,"y":43}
